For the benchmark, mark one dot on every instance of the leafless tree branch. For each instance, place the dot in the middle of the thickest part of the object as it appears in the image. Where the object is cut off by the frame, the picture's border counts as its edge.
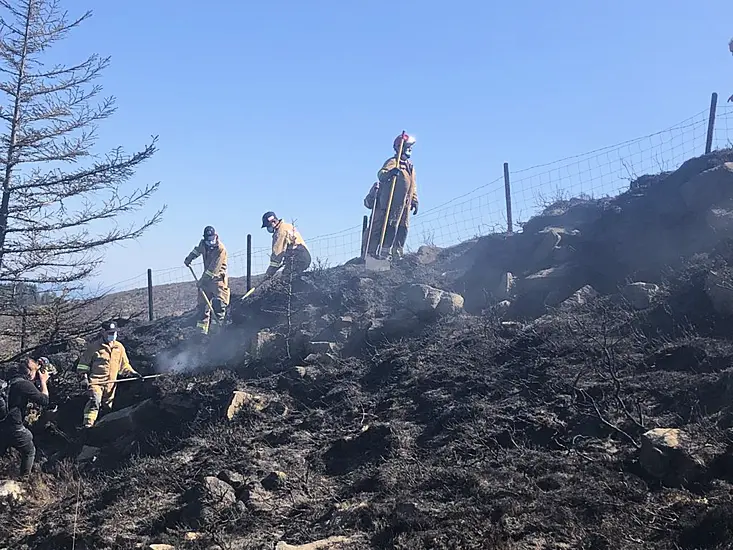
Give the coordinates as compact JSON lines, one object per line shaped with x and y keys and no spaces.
{"x":55,"y":222}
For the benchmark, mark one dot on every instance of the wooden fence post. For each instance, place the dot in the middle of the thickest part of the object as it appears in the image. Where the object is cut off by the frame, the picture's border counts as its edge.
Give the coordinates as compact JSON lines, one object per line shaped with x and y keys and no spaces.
{"x":249,"y":262}
{"x":150,"y":294}
{"x":508,"y":193}
{"x":711,"y":123}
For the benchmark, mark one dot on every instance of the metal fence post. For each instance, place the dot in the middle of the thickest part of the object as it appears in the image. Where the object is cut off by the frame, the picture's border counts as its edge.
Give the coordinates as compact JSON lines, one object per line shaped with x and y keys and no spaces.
{"x":711,"y":123}
{"x":150,"y":294}
{"x":249,"y":262}
{"x":508,"y":193}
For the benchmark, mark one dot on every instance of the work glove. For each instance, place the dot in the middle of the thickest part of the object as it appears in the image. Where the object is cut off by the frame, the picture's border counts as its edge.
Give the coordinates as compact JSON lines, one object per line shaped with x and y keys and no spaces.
{"x":84,"y":383}
{"x":138,"y":376}
{"x":187,"y":262}
{"x":414,"y":208}
{"x":394,"y":172}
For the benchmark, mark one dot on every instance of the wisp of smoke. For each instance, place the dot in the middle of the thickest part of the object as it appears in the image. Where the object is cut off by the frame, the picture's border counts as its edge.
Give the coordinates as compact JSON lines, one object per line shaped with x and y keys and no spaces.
{"x":179,"y":361}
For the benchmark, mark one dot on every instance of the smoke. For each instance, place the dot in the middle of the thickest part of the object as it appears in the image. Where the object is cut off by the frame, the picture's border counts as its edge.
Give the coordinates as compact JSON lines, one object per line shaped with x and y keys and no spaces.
{"x":224,"y":348}
{"x":179,"y":361}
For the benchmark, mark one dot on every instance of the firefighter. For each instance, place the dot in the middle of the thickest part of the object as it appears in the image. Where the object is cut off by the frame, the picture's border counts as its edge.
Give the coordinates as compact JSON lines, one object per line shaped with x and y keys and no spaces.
{"x":288,"y":247}
{"x":404,"y":199}
{"x":214,"y":281}
{"x":104,"y":358}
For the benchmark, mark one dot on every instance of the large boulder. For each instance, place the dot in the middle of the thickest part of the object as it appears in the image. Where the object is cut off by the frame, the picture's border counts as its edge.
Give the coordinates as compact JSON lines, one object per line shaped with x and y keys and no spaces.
{"x":450,"y":304}
{"x":547,"y":280}
{"x":218,"y":493}
{"x":709,"y":187}
{"x":88,"y":454}
{"x":398,"y":325}
{"x":11,"y":493}
{"x":331,"y":543}
{"x":245,"y":400}
{"x":118,"y":425}
{"x":720,"y":219}
{"x":550,"y":240}
{"x":640,"y":295}
{"x":674,"y":457}
{"x":422,"y":299}
{"x":505,"y":289}
{"x":579,"y":298}
{"x":574,"y":213}
{"x":427,"y":302}
{"x":267,"y":345}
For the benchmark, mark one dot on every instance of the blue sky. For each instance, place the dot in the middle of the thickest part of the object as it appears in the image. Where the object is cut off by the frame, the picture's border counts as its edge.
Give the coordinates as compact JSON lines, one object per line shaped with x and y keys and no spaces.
{"x":292,"y":106}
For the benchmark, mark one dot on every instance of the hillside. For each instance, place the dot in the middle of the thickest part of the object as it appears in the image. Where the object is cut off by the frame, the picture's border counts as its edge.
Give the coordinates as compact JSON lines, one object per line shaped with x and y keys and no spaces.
{"x":566,"y":387}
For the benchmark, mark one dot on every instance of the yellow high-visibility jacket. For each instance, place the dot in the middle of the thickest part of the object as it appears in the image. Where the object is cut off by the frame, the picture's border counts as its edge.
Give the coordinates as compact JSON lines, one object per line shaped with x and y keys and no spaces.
{"x":103,"y":361}
{"x":284,"y":238}
{"x":215,"y":262}
{"x":405,"y":189}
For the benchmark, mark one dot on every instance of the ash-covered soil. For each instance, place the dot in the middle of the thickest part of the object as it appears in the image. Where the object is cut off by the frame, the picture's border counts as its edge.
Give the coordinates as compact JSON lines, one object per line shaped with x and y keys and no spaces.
{"x":582,"y":401}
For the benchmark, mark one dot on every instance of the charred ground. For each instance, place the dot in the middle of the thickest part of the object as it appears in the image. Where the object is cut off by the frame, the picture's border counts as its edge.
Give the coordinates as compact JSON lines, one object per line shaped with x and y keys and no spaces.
{"x":374,"y":407}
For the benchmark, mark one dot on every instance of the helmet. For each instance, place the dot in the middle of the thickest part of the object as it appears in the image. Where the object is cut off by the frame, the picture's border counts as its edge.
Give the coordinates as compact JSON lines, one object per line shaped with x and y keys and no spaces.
{"x":110,"y":331}
{"x":210,"y":237}
{"x":408,"y":141}
{"x":267,"y":217}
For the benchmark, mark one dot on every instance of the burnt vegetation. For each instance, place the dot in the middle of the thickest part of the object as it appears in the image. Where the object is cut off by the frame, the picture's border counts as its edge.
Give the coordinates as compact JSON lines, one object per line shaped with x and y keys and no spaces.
{"x":569,"y":386}
{"x":363,"y":414}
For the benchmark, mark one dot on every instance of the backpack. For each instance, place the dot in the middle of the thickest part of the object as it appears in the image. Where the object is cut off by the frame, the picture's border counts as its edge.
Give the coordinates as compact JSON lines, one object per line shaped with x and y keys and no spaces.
{"x":4,"y":395}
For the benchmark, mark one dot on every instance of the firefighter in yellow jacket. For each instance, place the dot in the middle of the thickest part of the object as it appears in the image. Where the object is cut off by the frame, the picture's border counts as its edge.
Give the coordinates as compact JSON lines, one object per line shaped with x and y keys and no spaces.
{"x":404,"y":199}
{"x":215,"y":281}
{"x":288,"y":247}
{"x":104,"y":359}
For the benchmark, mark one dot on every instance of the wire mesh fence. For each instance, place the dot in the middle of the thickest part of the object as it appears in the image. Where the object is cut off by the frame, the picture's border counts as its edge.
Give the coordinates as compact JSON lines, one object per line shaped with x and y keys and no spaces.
{"x":483,"y":210}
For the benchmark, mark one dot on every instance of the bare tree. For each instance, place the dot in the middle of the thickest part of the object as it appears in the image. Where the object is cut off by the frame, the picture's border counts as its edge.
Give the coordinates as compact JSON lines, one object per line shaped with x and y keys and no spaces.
{"x":55,"y":219}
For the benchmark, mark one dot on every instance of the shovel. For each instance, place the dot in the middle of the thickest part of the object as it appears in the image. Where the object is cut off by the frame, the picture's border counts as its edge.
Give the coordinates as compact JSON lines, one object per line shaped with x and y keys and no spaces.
{"x":208,"y":302}
{"x":374,"y":263}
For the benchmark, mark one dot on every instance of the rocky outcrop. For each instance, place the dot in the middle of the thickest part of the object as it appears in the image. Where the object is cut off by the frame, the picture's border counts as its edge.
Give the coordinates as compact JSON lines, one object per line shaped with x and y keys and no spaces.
{"x":427,"y":302}
{"x":675,"y":457}
{"x":640,"y":295}
{"x":11,"y":493}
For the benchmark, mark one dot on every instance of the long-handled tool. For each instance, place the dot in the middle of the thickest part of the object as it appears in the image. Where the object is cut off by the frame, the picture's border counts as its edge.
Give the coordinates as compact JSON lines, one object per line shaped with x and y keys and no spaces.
{"x":371,"y":223}
{"x":126,"y":380}
{"x":201,"y":290}
{"x":405,"y":202}
{"x":378,"y":250}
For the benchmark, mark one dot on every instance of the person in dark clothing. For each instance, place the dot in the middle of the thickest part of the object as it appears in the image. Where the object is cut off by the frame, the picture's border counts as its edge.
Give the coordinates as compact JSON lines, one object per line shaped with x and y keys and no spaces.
{"x":22,"y":391}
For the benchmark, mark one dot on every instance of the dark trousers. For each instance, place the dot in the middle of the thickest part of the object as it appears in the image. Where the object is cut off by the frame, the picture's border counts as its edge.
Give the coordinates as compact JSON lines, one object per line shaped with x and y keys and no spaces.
{"x":297,"y":261}
{"x":21,"y":438}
